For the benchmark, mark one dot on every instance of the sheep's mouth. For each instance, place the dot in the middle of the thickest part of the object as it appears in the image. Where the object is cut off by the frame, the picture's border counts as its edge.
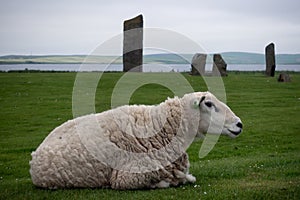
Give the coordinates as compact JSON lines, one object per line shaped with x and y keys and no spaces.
{"x":235,"y":132}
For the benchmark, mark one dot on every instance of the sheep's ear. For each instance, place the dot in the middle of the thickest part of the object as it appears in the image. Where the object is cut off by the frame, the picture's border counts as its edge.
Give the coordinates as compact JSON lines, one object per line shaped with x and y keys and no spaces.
{"x":202,"y":99}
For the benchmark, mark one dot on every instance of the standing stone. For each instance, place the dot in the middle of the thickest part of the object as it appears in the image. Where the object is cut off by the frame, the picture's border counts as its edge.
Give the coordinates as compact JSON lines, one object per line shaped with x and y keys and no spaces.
{"x":270,"y":60}
{"x":198,"y":64}
{"x":219,"y":66}
{"x":133,"y":45}
{"x":283,"y":77}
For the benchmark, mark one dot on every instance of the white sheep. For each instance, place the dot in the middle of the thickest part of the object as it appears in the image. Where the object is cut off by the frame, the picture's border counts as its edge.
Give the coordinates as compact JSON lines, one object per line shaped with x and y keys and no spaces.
{"x":130,"y":147}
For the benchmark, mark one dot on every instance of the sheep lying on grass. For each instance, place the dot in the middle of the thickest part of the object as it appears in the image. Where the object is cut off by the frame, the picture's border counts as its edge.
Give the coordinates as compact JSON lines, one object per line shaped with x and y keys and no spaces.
{"x":130,"y":147}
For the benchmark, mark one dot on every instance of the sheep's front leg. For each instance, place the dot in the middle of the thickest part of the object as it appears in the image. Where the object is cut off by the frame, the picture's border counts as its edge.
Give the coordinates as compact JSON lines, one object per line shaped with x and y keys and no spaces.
{"x":185,"y":177}
{"x":190,"y":178}
{"x":180,"y":178}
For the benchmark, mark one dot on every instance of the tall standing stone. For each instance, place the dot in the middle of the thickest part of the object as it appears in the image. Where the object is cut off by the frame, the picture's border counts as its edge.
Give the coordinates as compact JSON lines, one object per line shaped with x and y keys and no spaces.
{"x":219,"y":66}
{"x":133,"y":45}
{"x":198,"y":64}
{"x":270,"y":59}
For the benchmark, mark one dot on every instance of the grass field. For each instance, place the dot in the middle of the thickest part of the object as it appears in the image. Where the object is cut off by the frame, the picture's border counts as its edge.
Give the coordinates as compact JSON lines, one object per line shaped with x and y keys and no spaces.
{"x":263,"y":163}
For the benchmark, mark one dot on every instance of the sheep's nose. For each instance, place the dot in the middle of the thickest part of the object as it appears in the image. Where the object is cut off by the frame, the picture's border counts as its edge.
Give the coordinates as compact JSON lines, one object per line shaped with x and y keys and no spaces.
{"x":239,"y":124}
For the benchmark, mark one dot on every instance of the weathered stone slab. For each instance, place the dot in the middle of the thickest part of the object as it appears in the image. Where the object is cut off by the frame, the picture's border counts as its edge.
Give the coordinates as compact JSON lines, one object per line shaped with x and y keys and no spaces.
{"x":219,"y":66}
{"x":270,"y":59}
{"x":283,"y":77}
{"x":133,"y":45}
{"x":198,"y":64}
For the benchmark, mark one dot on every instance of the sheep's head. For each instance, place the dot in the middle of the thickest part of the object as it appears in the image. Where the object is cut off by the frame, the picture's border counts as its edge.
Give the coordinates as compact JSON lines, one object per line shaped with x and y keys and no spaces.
{"x":215,"y":116}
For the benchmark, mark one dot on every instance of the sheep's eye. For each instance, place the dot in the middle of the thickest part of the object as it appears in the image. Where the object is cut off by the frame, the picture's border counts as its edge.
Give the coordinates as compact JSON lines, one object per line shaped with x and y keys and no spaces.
{"x":209,"y":104}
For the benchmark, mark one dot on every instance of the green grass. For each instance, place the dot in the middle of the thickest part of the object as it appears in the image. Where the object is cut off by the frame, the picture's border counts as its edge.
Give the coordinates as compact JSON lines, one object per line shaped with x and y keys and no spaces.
{"x":263,"y":163}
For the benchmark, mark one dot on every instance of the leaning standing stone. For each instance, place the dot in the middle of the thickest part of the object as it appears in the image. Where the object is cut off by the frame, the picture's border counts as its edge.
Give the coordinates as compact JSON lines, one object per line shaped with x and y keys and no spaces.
{"x":133,"y":45}
{"x":219,"y":66}
{"x":270,"y":59}
{"x":198,"y":64}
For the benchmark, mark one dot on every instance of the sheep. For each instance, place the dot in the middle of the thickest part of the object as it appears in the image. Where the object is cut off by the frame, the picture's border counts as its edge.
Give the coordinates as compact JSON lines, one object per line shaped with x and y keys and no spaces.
{"x":132,"y":146}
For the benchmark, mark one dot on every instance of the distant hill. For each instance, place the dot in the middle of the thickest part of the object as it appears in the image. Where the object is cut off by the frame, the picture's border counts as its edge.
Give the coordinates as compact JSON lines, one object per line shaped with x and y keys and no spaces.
{"x":168,"y":58}
{"x":243,"y":58}
{"x":229,"y":57}
{"x":56,"y":59}
{"x":255,"y":58}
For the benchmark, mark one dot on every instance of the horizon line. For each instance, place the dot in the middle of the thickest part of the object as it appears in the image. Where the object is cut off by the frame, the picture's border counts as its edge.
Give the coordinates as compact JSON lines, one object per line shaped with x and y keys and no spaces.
{"x":210,"y":53}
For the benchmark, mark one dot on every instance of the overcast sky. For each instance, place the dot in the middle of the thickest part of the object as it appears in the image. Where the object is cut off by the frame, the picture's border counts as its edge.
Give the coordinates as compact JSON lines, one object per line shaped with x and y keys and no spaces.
{"x":78,"y":27}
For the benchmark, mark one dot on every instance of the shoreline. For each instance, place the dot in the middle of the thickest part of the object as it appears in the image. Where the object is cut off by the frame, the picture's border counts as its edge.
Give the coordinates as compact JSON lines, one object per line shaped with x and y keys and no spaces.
{"x":163,"y":58}
{"x":208,"y":73}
